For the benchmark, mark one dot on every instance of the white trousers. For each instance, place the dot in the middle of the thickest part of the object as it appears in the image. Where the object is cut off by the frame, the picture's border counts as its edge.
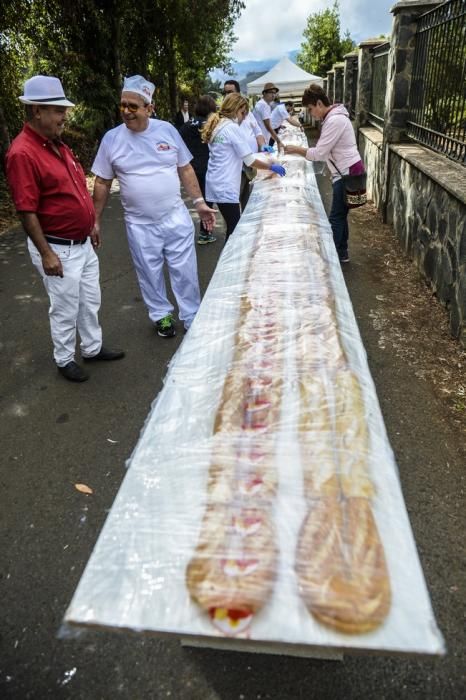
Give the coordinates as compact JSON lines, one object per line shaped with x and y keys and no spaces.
{"x":171,"y":240}
{"x":74,"y":300}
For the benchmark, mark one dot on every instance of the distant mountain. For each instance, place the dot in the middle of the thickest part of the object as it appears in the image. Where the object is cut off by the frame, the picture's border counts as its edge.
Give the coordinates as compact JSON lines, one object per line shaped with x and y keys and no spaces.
{"x":248,"y":78}
{"x":242,"y":68}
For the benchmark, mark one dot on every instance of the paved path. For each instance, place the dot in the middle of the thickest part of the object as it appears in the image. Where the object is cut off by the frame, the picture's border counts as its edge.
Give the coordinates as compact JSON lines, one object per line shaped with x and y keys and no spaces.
{"x":54,"y":434}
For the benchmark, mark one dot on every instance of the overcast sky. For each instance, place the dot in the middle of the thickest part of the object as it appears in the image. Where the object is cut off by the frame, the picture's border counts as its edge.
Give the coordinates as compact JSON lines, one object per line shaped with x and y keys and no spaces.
{"x":271,"y":28}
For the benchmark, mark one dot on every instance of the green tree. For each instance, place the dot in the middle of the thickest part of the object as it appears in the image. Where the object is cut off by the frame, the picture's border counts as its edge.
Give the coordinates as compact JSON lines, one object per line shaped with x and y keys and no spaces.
{"x":194,"y":37}
{"x":322,"y":45}
{"x":14,"y":56}
{"x":92,"y":44}
{"x":212,"y":87}
{"x":80,"y":42}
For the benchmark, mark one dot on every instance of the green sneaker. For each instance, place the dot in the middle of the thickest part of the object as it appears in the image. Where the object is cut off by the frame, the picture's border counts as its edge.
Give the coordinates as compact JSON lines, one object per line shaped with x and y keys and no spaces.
{"x":165,"y":327}
{"x":205,"y":238}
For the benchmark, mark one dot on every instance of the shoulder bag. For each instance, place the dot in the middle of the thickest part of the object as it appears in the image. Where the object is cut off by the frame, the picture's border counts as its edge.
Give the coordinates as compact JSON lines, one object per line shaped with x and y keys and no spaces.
{"x":355,"y":188}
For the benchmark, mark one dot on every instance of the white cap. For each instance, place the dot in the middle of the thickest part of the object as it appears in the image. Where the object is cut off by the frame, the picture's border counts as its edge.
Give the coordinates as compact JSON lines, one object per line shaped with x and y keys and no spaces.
{"x":139,"y":85}
{"x":44,"y":90}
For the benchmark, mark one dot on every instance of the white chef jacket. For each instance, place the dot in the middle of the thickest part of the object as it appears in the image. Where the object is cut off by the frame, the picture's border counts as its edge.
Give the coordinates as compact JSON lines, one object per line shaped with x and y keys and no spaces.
{"x":279,"y":115}
{"x":262,"y":111}
{"x":227,"y":149}
{"x":250,"y":130}
{"x":145,"y":163}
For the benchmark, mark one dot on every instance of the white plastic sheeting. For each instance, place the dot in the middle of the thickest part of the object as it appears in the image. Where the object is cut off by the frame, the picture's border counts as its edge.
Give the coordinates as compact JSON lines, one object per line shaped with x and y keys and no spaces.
{"x":262,"y":502}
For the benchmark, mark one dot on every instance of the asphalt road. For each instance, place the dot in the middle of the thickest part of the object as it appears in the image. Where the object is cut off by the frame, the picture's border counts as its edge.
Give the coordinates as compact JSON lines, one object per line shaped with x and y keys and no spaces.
{"x":54,"y":434}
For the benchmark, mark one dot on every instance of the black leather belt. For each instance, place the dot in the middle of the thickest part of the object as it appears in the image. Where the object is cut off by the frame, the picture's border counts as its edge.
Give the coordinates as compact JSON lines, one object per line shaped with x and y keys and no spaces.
{"x":64,"y":241}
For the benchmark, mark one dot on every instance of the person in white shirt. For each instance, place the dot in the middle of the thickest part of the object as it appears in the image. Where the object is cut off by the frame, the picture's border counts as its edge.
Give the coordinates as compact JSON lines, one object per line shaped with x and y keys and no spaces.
{"x":253,"y":135}
{"x":263,"y":113}
{"x":228,"y":151}
{"x":281,"y":114}
{"x":149,"y":158}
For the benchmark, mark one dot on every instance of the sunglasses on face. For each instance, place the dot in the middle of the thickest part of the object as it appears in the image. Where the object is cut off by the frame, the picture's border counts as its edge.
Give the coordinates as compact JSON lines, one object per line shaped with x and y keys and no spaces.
{"x":130,"y":106}
{"x":228,"y":92}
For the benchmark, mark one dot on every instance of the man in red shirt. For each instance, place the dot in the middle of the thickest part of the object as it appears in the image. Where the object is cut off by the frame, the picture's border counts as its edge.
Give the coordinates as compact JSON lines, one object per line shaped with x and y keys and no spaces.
{"x":49,"y":190}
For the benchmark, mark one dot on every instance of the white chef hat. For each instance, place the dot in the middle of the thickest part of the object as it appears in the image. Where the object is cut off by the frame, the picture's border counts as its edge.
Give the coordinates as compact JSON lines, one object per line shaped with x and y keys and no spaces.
{"x":139,"y":85}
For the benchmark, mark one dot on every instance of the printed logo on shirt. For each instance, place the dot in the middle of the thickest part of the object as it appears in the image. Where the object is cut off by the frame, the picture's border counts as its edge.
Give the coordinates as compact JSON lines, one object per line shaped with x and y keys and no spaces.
{"x":218,"y":139}
{"x":162,"y":146}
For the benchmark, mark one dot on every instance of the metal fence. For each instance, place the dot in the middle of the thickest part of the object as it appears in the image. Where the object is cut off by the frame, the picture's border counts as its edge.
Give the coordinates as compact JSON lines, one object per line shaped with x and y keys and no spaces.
{"x":437,"y":115}
{"x":379,"y":84}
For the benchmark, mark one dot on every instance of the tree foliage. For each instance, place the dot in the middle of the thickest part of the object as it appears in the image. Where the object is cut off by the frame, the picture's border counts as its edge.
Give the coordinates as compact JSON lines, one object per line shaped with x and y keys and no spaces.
{"x":212,"y":87}
{"x":14,"y":55}
{"x":92,"y":44}
{"x":322,"y":45}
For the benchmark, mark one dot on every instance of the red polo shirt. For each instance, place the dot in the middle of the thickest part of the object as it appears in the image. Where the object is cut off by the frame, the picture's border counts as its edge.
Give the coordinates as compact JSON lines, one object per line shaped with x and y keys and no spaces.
{"x":51,"y":186}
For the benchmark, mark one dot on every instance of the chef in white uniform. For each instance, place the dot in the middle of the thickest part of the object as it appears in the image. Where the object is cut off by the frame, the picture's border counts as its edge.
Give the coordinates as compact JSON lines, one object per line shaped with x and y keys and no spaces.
{"x":149,"y":158}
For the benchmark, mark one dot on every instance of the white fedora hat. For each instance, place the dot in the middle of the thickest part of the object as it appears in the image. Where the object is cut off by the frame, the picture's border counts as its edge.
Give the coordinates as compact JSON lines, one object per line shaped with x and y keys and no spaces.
{"x":44,"y":90}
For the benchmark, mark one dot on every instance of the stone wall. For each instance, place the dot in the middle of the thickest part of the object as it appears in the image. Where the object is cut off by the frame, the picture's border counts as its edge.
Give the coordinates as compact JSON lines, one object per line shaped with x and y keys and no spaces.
{"x":427,"y":208}
{"x":365,"y":80}
{"x":331,"y":85}
{"x":338,"y":86}
{"x":371,"y":150}
{"x":349,"y":77}
{"x":421,"y":193}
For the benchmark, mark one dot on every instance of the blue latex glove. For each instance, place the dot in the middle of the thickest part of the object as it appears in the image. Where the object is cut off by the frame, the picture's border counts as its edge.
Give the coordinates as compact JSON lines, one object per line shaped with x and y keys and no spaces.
{"x":266,"y":149}
{"x":279,"y":169}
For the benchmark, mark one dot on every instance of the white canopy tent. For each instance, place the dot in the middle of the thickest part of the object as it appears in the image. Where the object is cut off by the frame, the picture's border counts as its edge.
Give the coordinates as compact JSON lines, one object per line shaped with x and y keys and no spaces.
{"x":289,"y":78}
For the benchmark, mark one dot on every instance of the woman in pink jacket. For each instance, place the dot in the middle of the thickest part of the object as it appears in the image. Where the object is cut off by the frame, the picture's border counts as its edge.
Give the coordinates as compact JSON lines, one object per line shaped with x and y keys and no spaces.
{"x":337,"y":146}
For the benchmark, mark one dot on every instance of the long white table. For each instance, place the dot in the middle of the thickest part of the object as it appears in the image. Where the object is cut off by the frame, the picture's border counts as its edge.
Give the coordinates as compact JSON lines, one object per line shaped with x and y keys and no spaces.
{"x":135,"y":577}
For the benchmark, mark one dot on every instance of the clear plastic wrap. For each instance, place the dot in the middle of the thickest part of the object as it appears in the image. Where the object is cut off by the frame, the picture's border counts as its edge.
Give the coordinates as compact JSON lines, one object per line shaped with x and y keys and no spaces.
{"x":262,"y":501}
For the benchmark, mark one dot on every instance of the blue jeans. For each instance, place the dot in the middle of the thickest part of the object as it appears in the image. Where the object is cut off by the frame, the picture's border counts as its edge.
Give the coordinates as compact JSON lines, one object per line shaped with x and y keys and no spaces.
{"x":339,"y":218}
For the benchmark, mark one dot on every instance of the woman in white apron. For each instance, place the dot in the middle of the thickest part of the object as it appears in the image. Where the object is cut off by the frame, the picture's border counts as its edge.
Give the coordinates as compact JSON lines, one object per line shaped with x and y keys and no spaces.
{"x":228,"y":151}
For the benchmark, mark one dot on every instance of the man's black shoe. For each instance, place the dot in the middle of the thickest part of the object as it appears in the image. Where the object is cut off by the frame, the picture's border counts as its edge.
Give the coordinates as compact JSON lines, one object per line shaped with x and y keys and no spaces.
{"x":105,"y":355}
{"x":73,"y":372}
